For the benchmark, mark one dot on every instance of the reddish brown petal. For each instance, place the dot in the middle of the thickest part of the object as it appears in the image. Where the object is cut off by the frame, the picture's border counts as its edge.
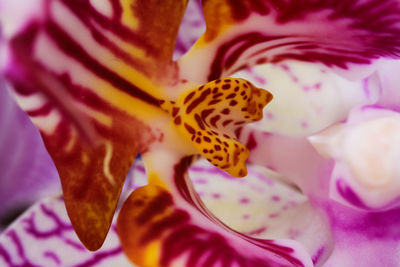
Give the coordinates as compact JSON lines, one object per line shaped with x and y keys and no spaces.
{"x":72,"y":72}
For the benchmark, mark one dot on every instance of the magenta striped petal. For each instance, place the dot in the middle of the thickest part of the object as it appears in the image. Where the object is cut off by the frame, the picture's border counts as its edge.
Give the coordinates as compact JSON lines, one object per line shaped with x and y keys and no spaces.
{"x":336,"y":33}
{"x":166,"y":224}
{"x":44,"y":236}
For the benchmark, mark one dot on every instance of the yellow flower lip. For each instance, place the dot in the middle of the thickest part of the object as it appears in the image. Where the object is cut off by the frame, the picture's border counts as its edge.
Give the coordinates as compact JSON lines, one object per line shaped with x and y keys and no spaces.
{"x":210,"y":115}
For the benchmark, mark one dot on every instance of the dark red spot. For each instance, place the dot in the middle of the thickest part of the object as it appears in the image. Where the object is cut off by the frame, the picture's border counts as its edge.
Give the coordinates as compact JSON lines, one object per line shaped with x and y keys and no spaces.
{"x":188,"y":97}
{"x":217,"y":95}
{"x":217,"y":147}
{"x":226,"y":166}
{"x":205,"y":113}
{"x":207,"y":139}
{"x":175,"y":111}
{"x":227,"y":136}
{"x":213,"y":102}
{"x":190,"y":129}
{"x":214,"y":120}
{"x":225,"y":123}
{"x":178,"y":120}
{"x":236,"y":157}
{"x":199,"y":121}
{"x":233,"y":103}
{"x":231,"y":96}
{"x":226,"y":111}
{"x":226,"y":86}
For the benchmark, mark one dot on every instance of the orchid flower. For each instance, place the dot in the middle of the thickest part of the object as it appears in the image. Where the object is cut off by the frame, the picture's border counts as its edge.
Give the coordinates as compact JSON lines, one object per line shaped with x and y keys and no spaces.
{"x":98,"y":80}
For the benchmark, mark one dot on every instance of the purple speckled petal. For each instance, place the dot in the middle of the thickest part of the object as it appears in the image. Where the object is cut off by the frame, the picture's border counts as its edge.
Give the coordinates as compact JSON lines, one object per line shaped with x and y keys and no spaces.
{"x":26,"y":170}
{"x":43,"y":236}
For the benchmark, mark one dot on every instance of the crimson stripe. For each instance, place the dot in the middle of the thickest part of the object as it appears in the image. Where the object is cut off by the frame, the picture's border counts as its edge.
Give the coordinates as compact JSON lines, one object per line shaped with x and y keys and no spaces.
{"x":42,"y":111}
{"x":177,"y":218}
{"x":87,"y":13}
{"x":217,"y":65}
{"x":198,"y":100}
{"x":74,"y":50}
{"x":156,"y":206}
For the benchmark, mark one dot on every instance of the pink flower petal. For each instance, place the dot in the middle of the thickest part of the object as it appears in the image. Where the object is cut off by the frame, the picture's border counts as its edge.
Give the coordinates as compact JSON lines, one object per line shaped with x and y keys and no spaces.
{"x":243,"y":33}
